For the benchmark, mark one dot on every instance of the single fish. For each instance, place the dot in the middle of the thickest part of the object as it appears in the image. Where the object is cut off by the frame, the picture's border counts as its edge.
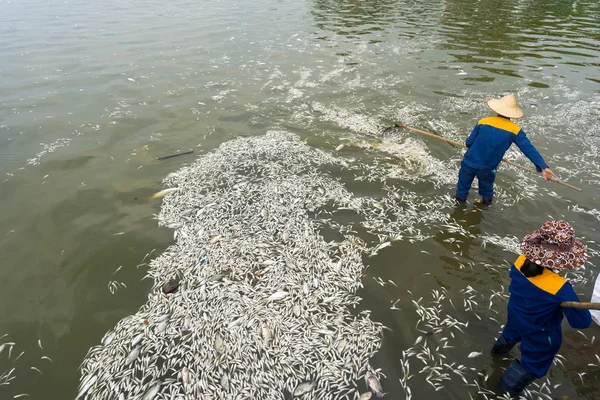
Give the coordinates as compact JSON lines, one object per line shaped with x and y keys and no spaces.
{"x":304,"y":388}
{"x":185,"y":376}
{"x":162,"y":326}
{"x":296,"y":310}
{"x":219,"y":344}
{"x":278,"y":295}
{"x":108,"y":338}
{"x":225,"y":382}
{"x":152,"y":392}
{"x":163,"y":193}
{"x":90,"y":382}
{"x":341,"y":146}
{"x":266,"y":331}
{"x":216,"y":239}
{"x":133,"y":355}
{"x":137,"y":340}
{"x":474,"y":354}
{"x":187,"y":323}
{"x":374,"y":384}
{"x":365,"y":396}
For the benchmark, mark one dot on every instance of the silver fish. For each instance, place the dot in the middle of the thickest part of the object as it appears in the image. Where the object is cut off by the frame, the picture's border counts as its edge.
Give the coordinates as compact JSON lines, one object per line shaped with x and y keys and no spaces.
{"x":374,"y":384}
{"x":225,"y":382}
{"x":219,"y":344}
{"x":304,"y":388}
{"x":133,"y":355}
{"x":278,"y":295}
{"x":163,"y":193}
{"x":365,"y":396}
{"x":152,"y":392}
{"x":266,"y":332}
{"x":90,"y":382}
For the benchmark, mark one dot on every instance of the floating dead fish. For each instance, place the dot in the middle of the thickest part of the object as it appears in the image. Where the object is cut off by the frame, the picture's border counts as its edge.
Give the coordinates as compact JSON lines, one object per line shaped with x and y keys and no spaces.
{"x":89,"y":382}
{"x":152,"y":392}
{"x":133,"y":355}
{"x":225,"y":382}
{"x":219,"y":344}
{"x":303,"y":388}
{"x":279,"y":295}
{"x":374,"y":384}
{"x":171,"y":287}
{"x":341,"y":146}
{"x":365,"y":396}
{"x":163,"y":193}
{"x":474,"y":354}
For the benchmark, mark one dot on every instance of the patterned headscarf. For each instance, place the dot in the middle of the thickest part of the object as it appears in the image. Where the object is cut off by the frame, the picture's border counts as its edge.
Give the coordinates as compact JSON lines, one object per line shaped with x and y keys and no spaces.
{"x":554,"y":246}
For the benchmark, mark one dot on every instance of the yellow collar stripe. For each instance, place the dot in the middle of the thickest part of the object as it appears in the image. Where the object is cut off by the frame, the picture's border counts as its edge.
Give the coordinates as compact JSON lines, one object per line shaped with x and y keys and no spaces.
{"x":548,"y":281}
{"x":501,"y":123}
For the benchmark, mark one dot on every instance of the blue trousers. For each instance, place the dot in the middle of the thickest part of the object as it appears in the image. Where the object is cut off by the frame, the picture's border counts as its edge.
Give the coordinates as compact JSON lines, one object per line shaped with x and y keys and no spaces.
{"x":537,"y":350}
{"x":465,"y":180}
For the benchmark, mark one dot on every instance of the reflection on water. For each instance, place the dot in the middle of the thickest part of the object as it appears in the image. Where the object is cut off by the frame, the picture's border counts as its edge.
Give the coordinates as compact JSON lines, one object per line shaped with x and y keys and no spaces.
{"x":92,"y":93}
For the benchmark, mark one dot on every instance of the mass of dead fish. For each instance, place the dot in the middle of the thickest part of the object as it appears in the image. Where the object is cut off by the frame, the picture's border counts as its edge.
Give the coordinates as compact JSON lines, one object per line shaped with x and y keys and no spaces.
{"x":264,"y":304}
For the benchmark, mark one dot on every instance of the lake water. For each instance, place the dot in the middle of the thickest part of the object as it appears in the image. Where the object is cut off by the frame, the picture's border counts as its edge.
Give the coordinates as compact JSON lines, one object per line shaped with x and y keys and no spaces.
{"x":92,"y":93}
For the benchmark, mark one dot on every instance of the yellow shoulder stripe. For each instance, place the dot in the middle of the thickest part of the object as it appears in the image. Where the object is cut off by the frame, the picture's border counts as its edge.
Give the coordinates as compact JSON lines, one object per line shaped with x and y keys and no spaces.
{"x":501,"y":123}
{"x":548,"y":281}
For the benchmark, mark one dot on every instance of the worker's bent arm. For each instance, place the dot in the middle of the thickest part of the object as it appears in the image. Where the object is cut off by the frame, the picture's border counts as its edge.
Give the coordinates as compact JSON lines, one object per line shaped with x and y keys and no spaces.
{"x":579,"y":318}
{"x":472,"y":136}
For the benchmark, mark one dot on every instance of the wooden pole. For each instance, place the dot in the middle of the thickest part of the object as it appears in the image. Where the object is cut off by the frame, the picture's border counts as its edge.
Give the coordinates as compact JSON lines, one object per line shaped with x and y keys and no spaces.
{"x":422,"y":132}
{"x":577,"y":304}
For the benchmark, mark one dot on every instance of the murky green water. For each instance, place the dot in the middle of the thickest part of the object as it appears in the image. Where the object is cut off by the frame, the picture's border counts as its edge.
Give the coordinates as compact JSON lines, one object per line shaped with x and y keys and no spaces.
{"x":91,"y":93}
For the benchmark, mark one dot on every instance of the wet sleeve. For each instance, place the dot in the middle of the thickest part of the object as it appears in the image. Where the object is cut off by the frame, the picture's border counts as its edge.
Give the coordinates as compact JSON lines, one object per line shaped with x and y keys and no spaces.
{"x":472,"y":136}
{"x":578,"y":318}
{"x":530,"y":151}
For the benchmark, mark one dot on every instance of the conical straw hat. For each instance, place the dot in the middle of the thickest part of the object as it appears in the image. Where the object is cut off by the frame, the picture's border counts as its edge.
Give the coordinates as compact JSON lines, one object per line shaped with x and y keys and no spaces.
{"x":506,"y":106}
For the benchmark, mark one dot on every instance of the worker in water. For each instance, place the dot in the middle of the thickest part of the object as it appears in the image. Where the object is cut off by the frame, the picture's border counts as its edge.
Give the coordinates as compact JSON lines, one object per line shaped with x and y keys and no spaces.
{"x":534,"y":311}
{"x":487,"y":143}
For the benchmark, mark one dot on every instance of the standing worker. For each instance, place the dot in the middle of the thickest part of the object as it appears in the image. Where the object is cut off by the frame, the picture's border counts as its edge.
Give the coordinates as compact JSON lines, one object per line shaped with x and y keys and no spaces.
{"x":487,"y":144}
{"x":534,"y":312}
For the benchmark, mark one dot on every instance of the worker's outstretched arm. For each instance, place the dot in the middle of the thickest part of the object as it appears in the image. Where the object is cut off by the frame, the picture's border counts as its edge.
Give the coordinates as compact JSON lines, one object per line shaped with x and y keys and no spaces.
{"x":579,"y":318}
{"x":530,"y":151}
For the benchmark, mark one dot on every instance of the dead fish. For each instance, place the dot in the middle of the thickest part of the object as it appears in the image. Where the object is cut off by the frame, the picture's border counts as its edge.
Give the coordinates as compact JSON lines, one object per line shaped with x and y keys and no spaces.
{"x":171,"y":287}
{"x":474,"y":354}
{"x":266,"y":332}
{"x":187,"y":323}
{"x":341,"y":146}
{"x":219,"y":344}
{"x":278,"y":295}
{"x":185,"y":376}
{"x":365,"y":396}
{"x":162,"y":326}
{"x":108,"y":338}
{"x":374,"y":384}
{"x":89,"y":382}
{"x":225,"y":382}
{"x":296,"y":310}
{"x":137,"y":340}
{"x":341,"y":345}
{"x":304,"y":388}
{"x":133,"y":355}
{"x":215,"y":239}
{"x":152,"y":392}
{"x":163,"y":193}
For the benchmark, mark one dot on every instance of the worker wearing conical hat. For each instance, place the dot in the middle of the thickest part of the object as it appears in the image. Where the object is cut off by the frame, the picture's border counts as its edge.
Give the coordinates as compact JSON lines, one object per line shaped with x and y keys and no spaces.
{"x":534,"y":308}
{"x":487,"y":144}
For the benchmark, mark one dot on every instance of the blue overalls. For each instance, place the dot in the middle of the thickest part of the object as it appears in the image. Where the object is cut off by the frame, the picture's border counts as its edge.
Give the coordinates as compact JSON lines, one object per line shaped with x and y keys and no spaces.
{"x":534,"y":320}
{"x":487,"y":144}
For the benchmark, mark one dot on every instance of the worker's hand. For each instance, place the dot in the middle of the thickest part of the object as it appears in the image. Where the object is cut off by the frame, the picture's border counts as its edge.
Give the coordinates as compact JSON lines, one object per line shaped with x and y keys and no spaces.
{"x":548,"y":175}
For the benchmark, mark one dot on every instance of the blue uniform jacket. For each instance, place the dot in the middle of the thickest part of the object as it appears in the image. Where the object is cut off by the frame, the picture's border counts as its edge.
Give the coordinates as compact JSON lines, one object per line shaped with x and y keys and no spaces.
{"x":490,"y":139}
{"x":534,"y":305}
